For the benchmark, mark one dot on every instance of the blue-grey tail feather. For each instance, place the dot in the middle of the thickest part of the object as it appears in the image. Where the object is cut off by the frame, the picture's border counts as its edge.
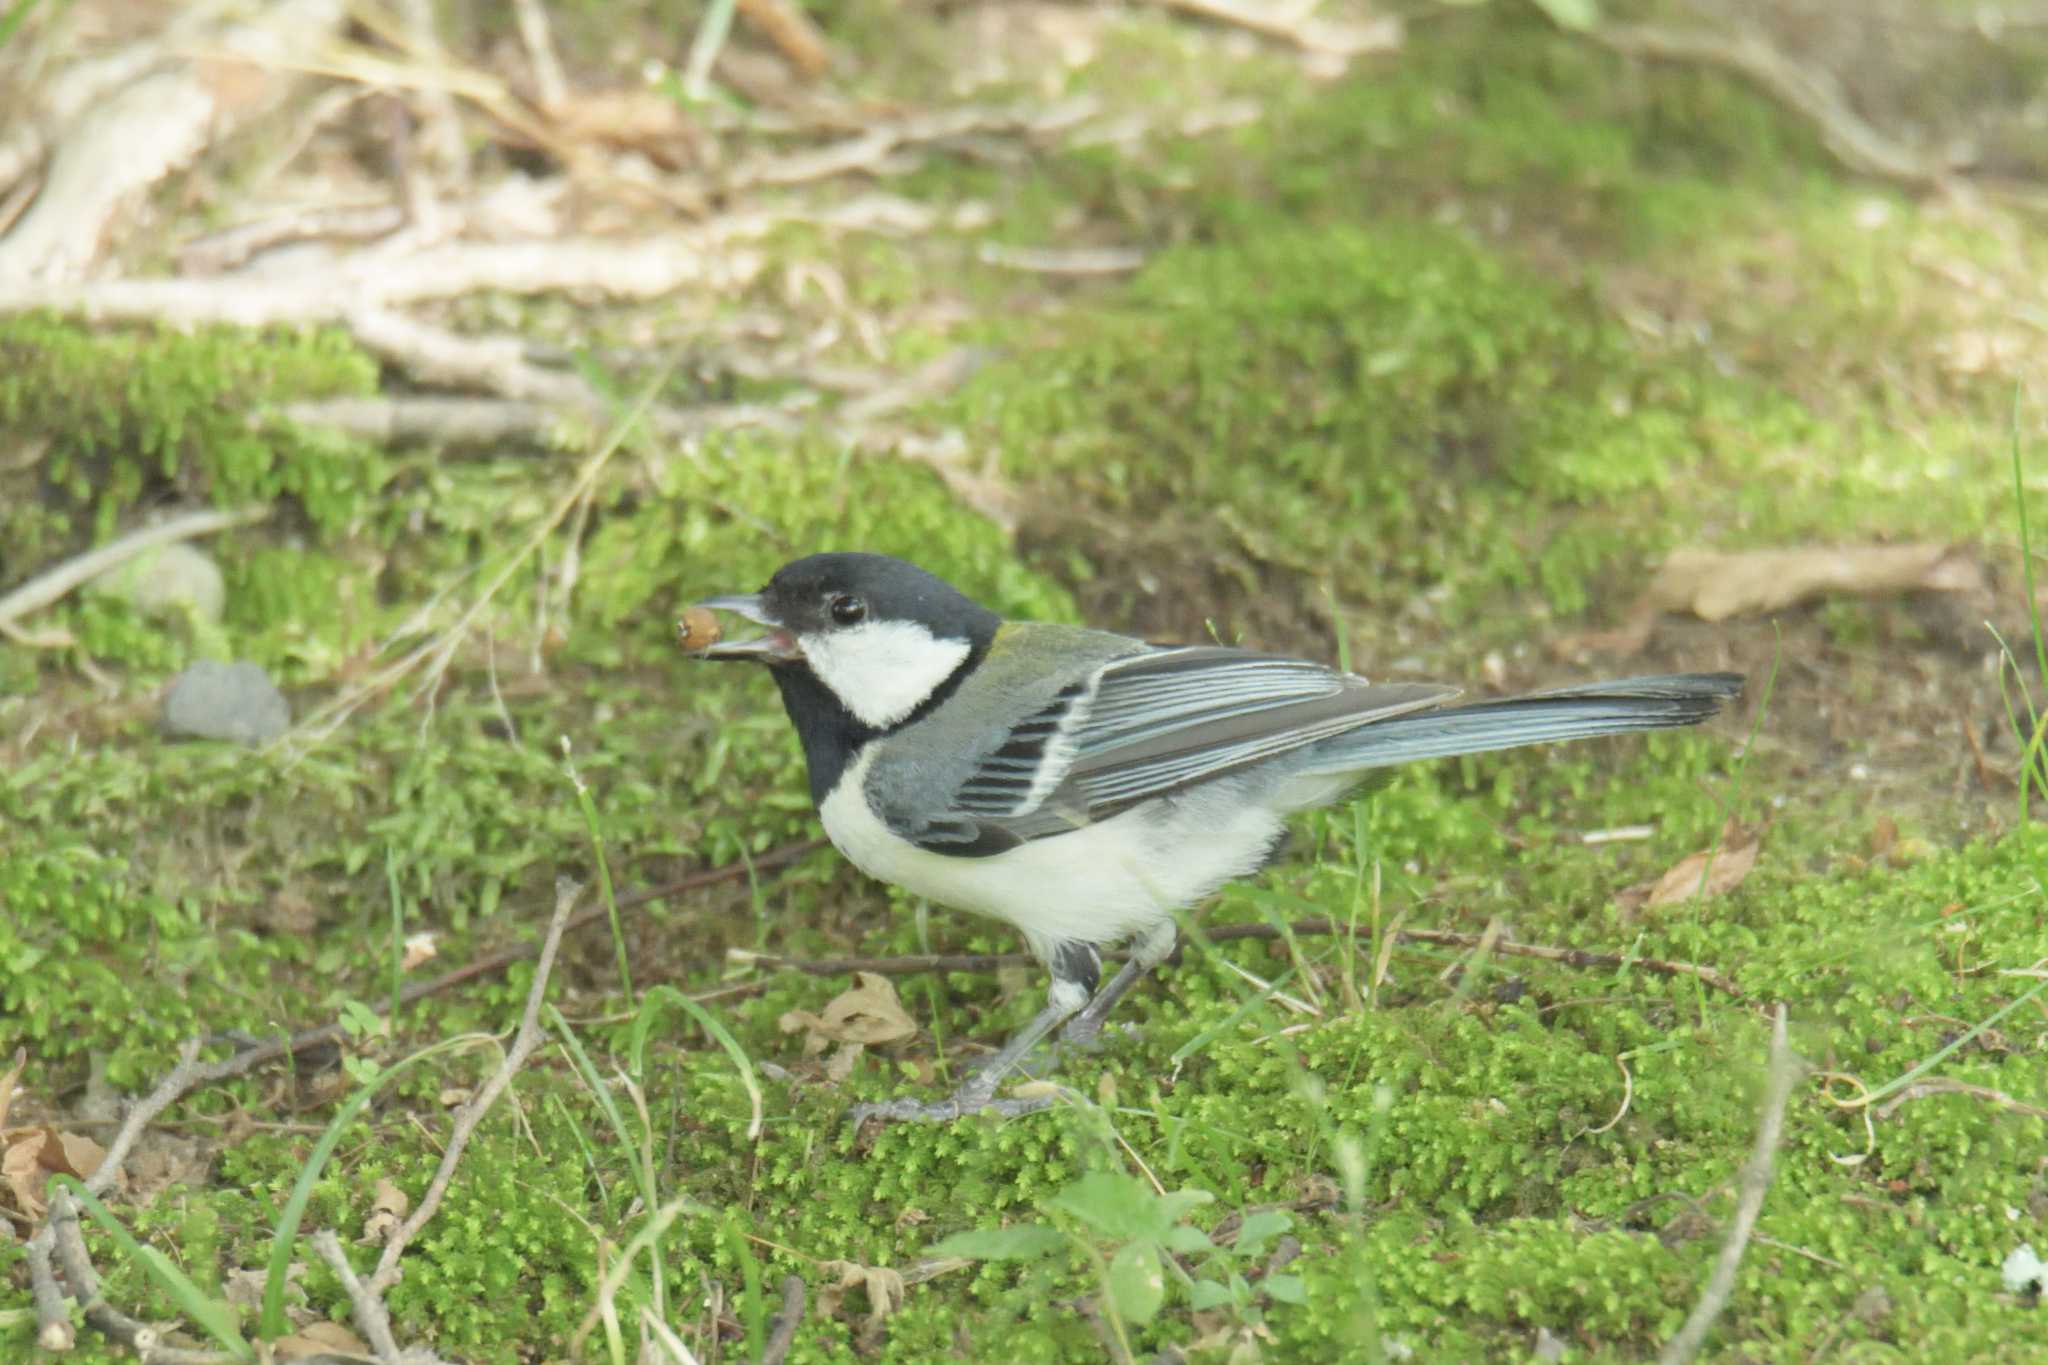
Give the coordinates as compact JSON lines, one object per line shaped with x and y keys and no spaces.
{"x":1664,"y":702}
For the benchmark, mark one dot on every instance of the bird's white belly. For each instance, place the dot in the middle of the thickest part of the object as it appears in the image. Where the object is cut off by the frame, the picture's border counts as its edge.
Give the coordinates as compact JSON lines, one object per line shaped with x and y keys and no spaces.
{"x":1098,"y":884}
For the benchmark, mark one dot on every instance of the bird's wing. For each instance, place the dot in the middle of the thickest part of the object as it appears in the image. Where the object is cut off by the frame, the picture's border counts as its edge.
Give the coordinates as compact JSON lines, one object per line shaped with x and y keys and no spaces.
{"x":1151,"y":723}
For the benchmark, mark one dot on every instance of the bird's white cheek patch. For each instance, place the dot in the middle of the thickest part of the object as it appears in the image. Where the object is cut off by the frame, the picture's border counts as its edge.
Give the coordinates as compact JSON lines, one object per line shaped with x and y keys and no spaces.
{"x":882,"y":670}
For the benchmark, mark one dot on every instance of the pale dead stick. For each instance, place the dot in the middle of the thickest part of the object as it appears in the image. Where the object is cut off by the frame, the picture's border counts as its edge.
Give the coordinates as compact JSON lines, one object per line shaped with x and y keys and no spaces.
{"x":45,"y":588}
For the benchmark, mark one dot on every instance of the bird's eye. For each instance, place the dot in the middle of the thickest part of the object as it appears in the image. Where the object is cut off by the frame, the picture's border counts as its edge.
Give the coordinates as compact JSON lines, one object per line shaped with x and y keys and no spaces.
{"x":848,"y":610}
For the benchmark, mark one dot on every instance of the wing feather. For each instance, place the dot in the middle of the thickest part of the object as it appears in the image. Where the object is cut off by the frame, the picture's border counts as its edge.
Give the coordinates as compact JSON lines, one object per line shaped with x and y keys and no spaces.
{"x":1152,"y":723}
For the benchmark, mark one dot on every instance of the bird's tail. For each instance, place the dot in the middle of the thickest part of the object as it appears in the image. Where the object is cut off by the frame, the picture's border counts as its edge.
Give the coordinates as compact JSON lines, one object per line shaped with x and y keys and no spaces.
{"x":1610,"y":708}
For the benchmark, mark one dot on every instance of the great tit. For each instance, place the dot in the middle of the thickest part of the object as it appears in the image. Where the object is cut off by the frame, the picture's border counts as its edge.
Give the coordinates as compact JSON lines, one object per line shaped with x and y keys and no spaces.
{"x":1086,"y":787}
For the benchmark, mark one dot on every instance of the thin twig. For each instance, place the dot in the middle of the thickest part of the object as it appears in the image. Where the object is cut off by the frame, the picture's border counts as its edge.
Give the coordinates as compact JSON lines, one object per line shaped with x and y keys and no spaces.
{"x":53,"y":1316}
{"x":365,"y":1307}
{"x":793,"y":33}
{"x":466,"y":1121}
{"x":60,"y":1229}
{"x":53,"y":584}
{"x":1943,"y":1085}
{"x":699,"y":257}
{"x":435,"y":655}
{"x":915,"y":963}
{"x":328,"y":1035}
{"x":445,"y":143}
{"x":783,"y":1335}
{"x":549,"y":84}
{"x":1785,"y":1069}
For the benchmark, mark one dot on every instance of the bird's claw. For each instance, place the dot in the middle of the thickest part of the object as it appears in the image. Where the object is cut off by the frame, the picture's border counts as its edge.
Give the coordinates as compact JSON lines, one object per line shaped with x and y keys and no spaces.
{"x":955,"y":1106}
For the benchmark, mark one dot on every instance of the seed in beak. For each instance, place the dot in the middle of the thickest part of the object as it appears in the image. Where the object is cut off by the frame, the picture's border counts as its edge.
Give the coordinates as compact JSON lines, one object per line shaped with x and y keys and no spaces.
{"x":698,"y":628}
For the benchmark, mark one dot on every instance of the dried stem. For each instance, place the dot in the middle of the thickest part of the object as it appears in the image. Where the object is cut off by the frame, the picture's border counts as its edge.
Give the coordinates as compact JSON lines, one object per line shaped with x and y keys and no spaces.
{"x":365,"y":1306}
{"x":523,"y":1043}
{"x":52,"y":584}
{"x":1785,"y":1069}
{"x":791,"y":1316}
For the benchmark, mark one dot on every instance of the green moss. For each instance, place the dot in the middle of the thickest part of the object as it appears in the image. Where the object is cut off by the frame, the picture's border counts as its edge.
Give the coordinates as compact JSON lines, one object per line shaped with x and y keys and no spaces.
{"x":129,"y":413}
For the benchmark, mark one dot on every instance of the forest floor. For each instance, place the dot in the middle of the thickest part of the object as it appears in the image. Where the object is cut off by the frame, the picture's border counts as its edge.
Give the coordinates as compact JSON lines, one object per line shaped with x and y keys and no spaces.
{"x":1466,"y":348}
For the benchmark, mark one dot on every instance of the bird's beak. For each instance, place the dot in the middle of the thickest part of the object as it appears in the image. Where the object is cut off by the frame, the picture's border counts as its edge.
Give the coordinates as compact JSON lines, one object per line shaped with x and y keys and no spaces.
{"x":777,"y":646}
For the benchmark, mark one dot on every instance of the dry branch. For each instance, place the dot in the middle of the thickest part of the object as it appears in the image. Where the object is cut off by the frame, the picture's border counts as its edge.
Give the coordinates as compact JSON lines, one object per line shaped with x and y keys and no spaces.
{"x":787,"y":1321}
{"x":364,"y":1307}
{"x":1810,"y":93}
{"x":1785,"y":1069}
{"x":231,"y":247}
{"x":83,"y":85}
{"x":49,"y":586}
{"x":138,"y":130}
{"x":701,"y":257}
{"x":466,"y":1120}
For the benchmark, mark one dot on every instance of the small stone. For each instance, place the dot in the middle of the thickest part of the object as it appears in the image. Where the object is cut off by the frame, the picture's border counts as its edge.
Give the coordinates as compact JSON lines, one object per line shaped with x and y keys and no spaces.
{"x":168,"y":578}
{"x":2024,"y":1272}
{"x":215,"y":700}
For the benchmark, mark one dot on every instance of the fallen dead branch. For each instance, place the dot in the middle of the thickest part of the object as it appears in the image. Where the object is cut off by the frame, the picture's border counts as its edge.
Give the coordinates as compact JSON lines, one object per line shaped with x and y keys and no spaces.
{"x":58,"y":1247}
{"x":1784,"y":1072}
{"x":494,"y":421}
{"x":53,"y":584}
{"x":136,"y":130}
{"x":701,"y":257}
{"x":495,"y":364}
{"x":366,"y":1308}
{"x":1810,"y":93}
{"x":870,"y":151}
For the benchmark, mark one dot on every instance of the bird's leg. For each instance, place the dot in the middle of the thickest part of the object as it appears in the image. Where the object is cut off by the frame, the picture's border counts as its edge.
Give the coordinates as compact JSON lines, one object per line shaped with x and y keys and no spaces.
{"x":1075,"y":970}
{"x":1148,"y":950}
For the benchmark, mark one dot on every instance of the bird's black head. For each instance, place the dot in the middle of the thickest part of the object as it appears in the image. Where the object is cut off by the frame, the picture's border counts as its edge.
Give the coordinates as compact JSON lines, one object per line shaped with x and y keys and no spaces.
{"x":859,"y":644}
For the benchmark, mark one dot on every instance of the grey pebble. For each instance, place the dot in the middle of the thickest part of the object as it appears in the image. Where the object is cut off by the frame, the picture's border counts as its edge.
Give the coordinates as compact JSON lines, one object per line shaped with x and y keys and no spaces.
{"x":215,"y":700}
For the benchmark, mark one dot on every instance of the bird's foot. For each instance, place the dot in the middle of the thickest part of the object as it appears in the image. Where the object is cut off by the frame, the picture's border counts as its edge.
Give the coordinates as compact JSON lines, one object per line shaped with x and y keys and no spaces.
{"x":967,"y":1100}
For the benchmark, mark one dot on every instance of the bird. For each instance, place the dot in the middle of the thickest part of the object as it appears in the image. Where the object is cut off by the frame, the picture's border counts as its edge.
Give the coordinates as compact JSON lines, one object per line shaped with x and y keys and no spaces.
{"x":1083,"y":786}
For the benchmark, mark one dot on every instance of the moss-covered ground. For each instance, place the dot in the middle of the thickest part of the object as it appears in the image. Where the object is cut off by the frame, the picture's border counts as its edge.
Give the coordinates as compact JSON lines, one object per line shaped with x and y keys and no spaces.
{"x":1427,"y":368}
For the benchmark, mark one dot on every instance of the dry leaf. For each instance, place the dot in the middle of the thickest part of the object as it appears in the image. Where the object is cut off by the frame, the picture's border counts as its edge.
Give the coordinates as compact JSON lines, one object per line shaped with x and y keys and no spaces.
{"x":322,"y":1339}
{"x":387,"y":1210}
{"x":792,"y":32}
{"x":1715,"y":586}
{"x":884,"y":1288}
{"x":419,"y":948}
{"x":869,"y":1013}
{"x":1731,"y":864}
{"x":21,"y":1171}
{"x":74,"y":1154}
